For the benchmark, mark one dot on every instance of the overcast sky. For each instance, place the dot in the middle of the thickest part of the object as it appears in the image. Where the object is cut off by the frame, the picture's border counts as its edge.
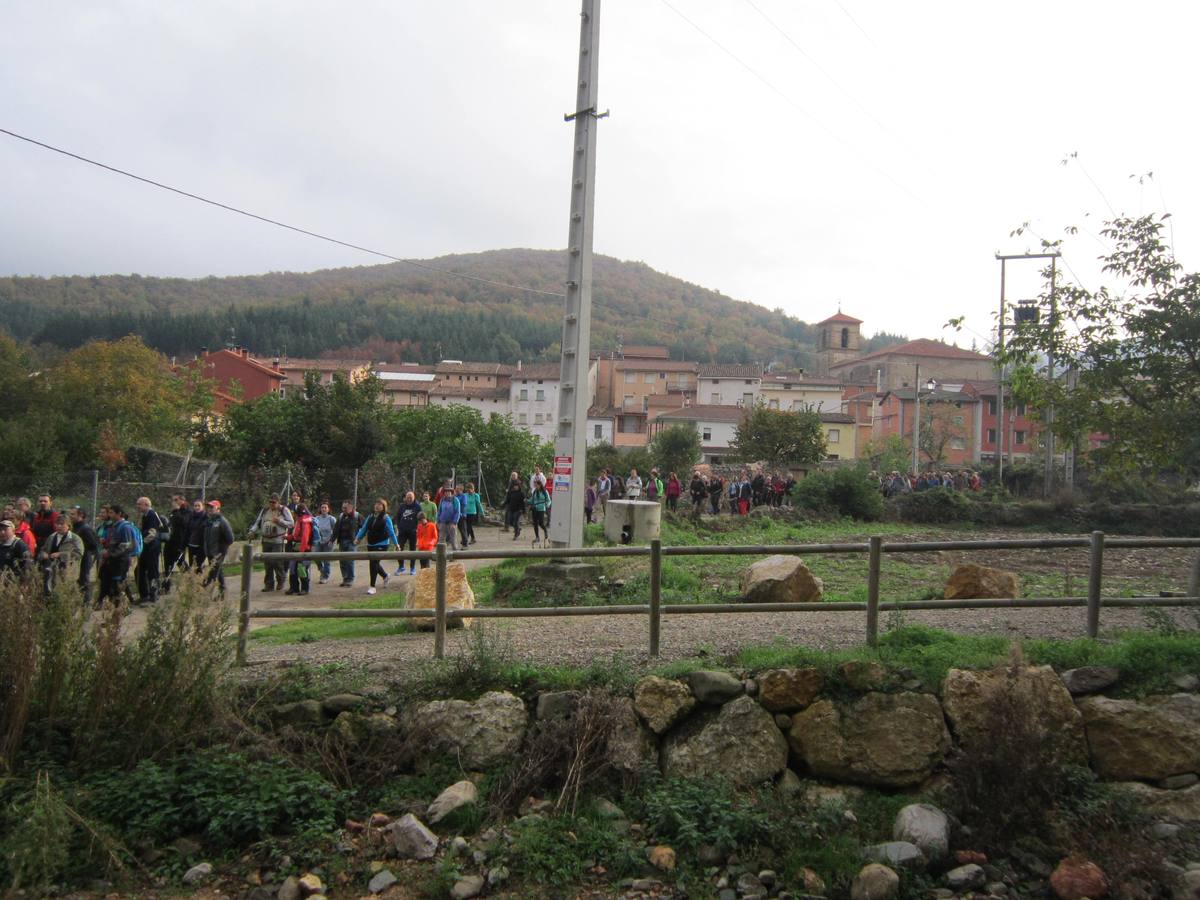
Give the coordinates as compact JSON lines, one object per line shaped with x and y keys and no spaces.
{"x":872,"y":154}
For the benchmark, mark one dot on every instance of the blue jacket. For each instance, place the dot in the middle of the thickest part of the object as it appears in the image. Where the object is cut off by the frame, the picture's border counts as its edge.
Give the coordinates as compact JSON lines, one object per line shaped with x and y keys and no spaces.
{"x":449,"y":511}
{"x":379,"y":530}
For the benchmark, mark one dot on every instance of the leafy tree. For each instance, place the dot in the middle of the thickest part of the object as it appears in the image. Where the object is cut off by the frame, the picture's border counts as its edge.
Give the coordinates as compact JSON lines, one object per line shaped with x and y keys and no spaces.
{"x":942,"y":424}
{"x":676,"y":449}
{"x":618,"y":460}
{"x":1135,"y":351}
{"x":779,"y":437}
{"x":890,"y":454}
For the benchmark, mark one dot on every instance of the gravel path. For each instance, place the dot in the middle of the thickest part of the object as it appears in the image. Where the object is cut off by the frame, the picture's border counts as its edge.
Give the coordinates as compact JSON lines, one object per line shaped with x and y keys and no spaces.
{"x":580,"y":640}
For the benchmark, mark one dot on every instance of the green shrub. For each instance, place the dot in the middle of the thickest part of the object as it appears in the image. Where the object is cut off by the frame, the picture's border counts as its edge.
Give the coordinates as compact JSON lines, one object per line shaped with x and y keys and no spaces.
{"x":936,"y":505}
{"x":846,"y":491}
{"x":559,"y":850}
{"x":687,"y":813}
{"x":224,"y":796}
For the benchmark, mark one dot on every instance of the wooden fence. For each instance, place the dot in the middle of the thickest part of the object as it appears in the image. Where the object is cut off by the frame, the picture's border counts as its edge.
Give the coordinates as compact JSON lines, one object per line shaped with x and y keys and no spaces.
{"x":875,"y":549}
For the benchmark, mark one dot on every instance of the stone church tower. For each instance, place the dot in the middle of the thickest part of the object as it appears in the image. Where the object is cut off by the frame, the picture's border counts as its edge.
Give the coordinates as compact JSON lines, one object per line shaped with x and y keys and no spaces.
{"x":839,"y":341}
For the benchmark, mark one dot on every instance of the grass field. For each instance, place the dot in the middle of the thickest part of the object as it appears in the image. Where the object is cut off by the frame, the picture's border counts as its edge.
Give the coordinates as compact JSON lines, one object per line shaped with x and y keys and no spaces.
{"x":716,"y":579}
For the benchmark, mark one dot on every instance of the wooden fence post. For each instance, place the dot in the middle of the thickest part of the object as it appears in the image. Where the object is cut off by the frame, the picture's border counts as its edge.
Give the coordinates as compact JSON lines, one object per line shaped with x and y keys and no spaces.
{"x":874,"y":560}
{"x":1095,"y":570}
{"x":439,"y":622}
{"x":244,"y":603}
{"x":1194,"y":581}
{"x":655,"y":594}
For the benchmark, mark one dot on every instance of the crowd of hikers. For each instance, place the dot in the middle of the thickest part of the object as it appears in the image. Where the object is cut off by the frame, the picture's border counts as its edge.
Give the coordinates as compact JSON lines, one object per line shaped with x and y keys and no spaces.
{"x":135,"y":553}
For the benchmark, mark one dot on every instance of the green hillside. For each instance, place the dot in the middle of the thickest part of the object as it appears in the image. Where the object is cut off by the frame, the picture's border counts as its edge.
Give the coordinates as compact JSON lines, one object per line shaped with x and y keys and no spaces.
{"x":397,"y":311}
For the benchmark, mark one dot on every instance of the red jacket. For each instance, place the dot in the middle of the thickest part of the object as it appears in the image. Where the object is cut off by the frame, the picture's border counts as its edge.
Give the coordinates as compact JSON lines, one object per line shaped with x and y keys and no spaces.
{"x":25,"y":533}
{"x":302,"y":533}
{"x":427,"y":536}
{"x":44,"y":524}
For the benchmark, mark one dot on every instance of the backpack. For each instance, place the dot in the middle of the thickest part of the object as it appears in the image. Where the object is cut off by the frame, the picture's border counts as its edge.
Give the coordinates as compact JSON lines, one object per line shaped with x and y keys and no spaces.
{"x":137,"y":537}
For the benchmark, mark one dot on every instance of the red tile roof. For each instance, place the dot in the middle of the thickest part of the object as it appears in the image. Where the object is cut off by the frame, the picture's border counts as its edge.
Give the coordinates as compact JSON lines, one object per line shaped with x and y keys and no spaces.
{"x":841,"y":318}
{"x":730,"y":370}
{"x":705,"y":413}
{"x":919,"y":347}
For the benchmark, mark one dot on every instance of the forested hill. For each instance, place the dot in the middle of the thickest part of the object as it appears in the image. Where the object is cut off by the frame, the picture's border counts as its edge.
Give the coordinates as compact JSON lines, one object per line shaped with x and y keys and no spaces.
{"x":398,"y":311}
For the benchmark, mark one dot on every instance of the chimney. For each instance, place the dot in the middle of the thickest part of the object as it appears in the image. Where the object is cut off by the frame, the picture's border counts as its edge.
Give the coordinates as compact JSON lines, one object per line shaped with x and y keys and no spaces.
{"x":518,"y":365}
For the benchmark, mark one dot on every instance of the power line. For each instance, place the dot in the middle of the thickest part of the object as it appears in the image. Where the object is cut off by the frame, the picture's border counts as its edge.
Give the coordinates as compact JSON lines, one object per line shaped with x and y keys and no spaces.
{"x":856,"y":25}
{"x":820,"y":68}
{"x":277,"y":223}
{"x":790,"y":102}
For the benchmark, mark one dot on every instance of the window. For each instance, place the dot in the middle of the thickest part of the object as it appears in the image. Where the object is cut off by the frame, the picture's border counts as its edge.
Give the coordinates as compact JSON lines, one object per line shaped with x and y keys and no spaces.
{"x":992,"y":406}
{"x":523,"y":419}
{"x":958,"y":420}
{"x":706,"y":434}
{"x":750,"y":381}
{"x":598,"y":432}
{"x":631,"y":377}
{"x":715,"y":398}
{"x":538,"y":419}
{"x":716,"y":381}
{"x":1019,"y":437}
{"x":662,"y":376}
{"x":629,"y":425}
{"x":835,"y":436}
{"x":772,"y":404}
{"x":1020,"y":409}
{"x":628,"y":401}
{"x":648,"y":378}
{"x":958,"y":443}
{"x":748,"y":399}
{"x":991,"y":436}
{"x":524,"y":394}
{"x":845,"y":338}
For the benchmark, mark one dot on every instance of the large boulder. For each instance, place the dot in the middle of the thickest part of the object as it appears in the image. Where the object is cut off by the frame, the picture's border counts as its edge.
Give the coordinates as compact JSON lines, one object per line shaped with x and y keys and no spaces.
{"x":478,"y":734}
{"x":1182,"y":806}
{"x":785,"y":690}
{"x":632,"y":746}
{"x":780,"y":579}
{"x":422,"y":594}
{"x":1029,"y":701}
{"x":739,"y":742}
{"x":661,"y":702}
{"x":1143,"y":740}
{"x":891,"y":740}
{"x":971,"y":581}
{"x":714,"y":688}
{"x":874,"y":882}
{"x":452,"y":799}
{"x":1090,"y":679}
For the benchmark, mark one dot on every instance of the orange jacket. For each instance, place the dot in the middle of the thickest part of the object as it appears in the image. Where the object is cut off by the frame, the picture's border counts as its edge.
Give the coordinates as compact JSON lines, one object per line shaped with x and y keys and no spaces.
{"x":427,"y":535}
{"x":25,"y":533}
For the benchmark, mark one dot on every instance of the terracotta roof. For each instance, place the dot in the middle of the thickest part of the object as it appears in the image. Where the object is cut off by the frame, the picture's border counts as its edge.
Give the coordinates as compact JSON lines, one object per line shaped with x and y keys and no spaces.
{"x":474,"y":368}
{"x":467,"y":392}
{"x":705,"y":413}
{"x":542,"y":371}
{"x":324,"y":365}
{"x":919,"y":347}
{"x":841,"y":318}
{"x":731,"y":370}
{"x":837,"y":418}
{"x":657,"y":365}
{"x":407,"y":386}
{"x":643,"y":351}
{"x":800,"y":378}
{"x":248,"y":360}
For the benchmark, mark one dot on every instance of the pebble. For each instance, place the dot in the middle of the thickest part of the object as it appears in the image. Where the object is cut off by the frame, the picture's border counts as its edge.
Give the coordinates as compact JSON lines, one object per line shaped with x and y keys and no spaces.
{"x":381,"y":882}
{"x":1164,"y":831}
{"x":468,"y":887}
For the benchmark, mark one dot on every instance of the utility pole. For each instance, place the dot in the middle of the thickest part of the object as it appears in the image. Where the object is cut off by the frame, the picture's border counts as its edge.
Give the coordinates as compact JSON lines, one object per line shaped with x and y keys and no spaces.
{"x":1048,"y":438}
{"x":1000,"y":382}
{"x":916,"y":465}
{"x":569,"y":475}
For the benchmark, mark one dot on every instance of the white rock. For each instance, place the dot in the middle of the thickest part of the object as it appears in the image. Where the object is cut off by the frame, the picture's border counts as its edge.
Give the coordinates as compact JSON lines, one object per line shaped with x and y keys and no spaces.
{"x":925,"y":826}
{"x":412,"y":839}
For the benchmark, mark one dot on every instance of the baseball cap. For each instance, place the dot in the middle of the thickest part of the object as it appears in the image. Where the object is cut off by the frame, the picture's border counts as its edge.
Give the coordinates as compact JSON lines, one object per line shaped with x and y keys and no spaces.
{"x":215,"y":504}
{"x":6,"y":523}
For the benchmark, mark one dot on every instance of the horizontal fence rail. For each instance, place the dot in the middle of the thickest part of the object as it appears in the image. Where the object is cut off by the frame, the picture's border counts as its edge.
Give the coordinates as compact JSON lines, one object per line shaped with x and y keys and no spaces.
{"x":875,"y":549}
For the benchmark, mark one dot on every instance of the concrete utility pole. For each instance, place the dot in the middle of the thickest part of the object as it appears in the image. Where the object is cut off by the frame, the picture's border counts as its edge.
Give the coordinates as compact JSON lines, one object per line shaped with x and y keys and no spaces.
{"x":916,"y":465}
{"x":569,"y":474}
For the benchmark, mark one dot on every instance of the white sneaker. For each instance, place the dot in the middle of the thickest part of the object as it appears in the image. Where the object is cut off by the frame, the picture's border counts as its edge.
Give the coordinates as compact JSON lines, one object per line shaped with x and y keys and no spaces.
{"x":370,"y":591}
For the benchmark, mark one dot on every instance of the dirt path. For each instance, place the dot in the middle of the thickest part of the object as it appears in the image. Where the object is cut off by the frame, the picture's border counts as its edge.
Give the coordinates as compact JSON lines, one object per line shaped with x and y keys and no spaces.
{"x":323,"y":596}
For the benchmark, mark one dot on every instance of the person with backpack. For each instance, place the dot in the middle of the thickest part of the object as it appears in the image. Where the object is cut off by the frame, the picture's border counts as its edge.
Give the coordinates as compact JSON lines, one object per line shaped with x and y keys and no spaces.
{"x":178,"y":520}
{"x":407,"y":514}
{"x":218,"y":538}
{"x":323,"y":524}
{"x":603,"y":489}
{"x":473,"y":508}
{"x":123,"y":545}
{"x":301,"y":539}
{"x":91,"y":550}
{"x":195,"y":537}
{"x":380,"y":534}
{"x":589,"y":501}
{"x":715,"y":488}
{"x":514,"y":504}
{"x":652,"y":487}
{"x":59,"y":551}
{"x":155,"y":531}
{"x":14,"y":553}
{"x":539,"y":504}
{"x":45,"y":520}
{"x":274,"y":523}
{"x":346,"y":533}
{"x":673,"y":491}
{"x":448,"y":514}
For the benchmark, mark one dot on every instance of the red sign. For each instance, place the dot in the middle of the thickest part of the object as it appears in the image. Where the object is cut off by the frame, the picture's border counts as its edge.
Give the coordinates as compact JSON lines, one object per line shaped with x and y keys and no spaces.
{"x":562,"y":465}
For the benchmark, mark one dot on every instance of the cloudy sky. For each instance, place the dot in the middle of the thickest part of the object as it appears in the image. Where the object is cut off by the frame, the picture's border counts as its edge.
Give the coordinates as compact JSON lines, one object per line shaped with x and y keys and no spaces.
{"x":797,"y":154}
